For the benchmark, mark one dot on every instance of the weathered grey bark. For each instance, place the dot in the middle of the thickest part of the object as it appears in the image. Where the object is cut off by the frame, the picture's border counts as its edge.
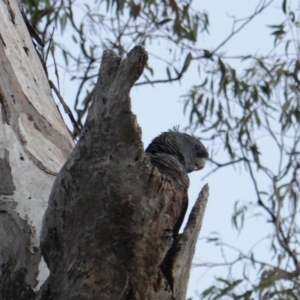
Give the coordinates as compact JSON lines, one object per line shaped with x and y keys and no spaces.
{"x":34,"y":144}
{"x":106,"y":231}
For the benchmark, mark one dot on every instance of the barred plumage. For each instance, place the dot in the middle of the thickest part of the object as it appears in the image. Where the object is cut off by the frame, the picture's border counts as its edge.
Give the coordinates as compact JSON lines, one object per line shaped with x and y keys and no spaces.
{"x":189,"y":151}
{"x":176,"y":154}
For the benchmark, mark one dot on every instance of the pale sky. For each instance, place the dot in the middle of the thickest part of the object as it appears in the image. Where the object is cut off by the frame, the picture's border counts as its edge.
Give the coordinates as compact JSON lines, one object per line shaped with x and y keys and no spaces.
{"x":159,"y":109}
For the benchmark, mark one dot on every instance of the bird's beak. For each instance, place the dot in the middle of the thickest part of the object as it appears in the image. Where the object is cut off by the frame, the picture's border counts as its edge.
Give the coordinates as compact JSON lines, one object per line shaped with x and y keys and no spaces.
{"x":200,"y":163}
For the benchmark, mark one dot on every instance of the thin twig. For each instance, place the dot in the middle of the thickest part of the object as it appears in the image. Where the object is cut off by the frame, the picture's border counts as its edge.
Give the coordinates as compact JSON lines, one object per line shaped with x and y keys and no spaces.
{"x":235,"y":31}
{"x":67,"y":110}
{"x":221,"y":166}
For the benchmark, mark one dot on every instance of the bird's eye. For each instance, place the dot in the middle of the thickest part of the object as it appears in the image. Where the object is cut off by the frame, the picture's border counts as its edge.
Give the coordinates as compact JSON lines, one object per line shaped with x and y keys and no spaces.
{"x":197,"y":147}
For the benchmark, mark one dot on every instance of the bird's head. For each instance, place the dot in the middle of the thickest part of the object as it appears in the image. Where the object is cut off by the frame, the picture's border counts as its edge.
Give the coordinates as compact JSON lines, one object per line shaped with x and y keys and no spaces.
{"x":194,"y":153}
{"x":190,"y":152}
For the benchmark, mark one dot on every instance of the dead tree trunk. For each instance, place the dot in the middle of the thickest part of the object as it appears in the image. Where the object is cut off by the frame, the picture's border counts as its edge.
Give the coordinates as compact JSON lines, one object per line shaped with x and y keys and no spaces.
{"x":106,"y":232}
{"x":34,"y":144}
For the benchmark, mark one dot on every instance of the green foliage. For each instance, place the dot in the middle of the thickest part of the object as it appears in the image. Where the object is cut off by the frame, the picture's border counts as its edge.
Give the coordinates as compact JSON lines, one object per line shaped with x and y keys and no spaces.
{"x":116,"y":25}
{"x":240,"y":103}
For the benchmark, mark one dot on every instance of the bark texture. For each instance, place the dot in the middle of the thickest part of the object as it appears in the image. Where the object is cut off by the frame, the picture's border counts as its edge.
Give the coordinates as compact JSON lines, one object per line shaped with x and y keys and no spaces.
{"x":34,"y":144}
{"x":107,"y":233}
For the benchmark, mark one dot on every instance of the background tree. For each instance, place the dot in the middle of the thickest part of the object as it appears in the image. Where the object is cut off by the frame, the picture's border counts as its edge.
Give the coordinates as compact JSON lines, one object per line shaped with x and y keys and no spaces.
{"x":34,"y":144}
{"x":244,"y":104}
